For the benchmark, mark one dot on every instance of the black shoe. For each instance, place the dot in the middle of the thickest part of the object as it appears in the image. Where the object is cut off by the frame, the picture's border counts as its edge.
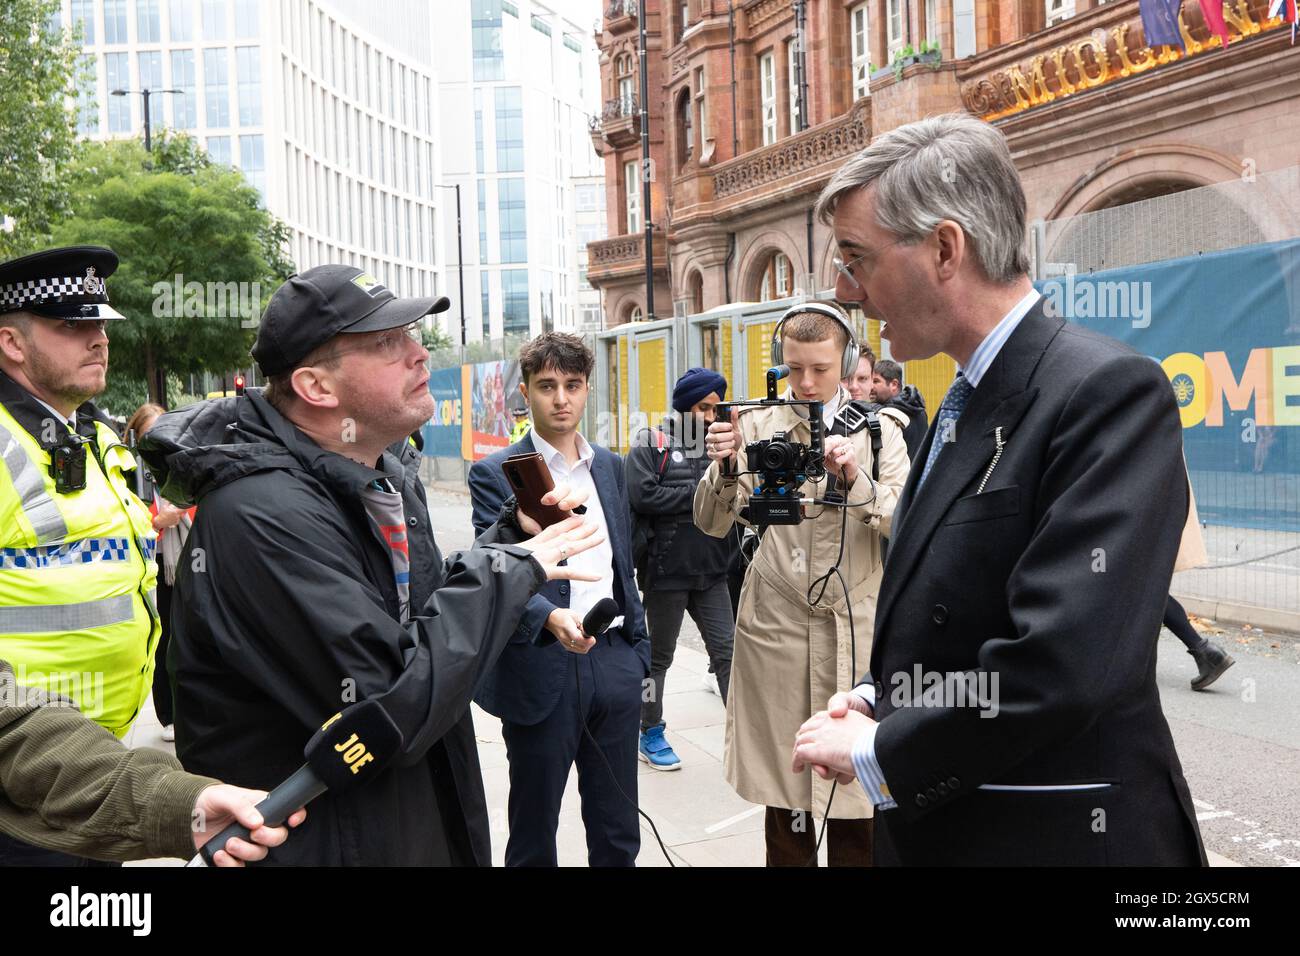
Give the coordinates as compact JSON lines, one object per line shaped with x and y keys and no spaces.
{"x":1211,"y":662}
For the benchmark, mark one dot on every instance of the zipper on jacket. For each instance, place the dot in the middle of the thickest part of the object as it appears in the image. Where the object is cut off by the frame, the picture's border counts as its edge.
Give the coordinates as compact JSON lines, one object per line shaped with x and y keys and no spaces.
{"x":997,"y":454}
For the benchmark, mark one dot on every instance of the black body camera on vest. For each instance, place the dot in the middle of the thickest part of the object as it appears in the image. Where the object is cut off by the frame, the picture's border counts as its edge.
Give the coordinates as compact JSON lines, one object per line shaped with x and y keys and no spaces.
{"x":68,"y":464}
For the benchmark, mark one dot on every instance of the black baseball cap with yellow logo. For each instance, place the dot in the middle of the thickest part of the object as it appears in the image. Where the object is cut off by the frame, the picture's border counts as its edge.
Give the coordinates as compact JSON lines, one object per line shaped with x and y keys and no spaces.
{"x":314,"y":306}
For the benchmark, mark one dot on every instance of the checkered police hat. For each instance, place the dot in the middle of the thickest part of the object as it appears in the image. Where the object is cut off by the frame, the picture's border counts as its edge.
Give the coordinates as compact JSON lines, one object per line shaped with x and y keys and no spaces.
{"x":60,"y":283}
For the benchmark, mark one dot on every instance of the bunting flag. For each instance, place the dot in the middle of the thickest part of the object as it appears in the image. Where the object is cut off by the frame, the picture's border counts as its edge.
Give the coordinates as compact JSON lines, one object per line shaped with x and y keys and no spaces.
{"x":1160,"y":22}
{"x":1212,"y":10}
{"x":1287,"y":10}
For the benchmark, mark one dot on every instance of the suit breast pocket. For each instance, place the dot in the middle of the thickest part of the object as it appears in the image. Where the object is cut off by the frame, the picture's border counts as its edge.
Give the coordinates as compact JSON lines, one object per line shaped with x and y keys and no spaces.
{"x":998,"y":503}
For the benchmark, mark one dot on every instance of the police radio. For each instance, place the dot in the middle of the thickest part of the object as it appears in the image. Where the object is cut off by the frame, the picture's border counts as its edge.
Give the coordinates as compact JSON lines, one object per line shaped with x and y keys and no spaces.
{"x":68,"y":463}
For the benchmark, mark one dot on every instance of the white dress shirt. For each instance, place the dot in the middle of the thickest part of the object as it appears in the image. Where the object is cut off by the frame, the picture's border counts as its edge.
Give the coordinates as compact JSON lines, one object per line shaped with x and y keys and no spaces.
{"x":598,"y":560}
{"x":70,"y":422}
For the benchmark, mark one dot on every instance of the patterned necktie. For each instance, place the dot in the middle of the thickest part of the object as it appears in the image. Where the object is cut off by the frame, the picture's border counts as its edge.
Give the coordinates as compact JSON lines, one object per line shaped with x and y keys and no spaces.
{"x":959,"y":394}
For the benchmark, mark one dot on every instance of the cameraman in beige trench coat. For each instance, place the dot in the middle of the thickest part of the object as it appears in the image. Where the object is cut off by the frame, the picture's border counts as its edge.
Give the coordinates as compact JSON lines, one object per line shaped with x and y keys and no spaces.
{"x":792,"y":652}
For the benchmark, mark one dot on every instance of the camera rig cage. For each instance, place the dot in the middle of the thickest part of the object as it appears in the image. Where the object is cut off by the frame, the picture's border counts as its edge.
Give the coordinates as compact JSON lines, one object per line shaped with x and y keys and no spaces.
{"x":783,"y":465}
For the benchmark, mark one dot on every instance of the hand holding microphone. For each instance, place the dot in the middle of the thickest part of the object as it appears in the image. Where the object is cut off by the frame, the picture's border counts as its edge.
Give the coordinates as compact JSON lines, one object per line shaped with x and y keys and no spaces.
{"x":579,"y":636}
{"x":352,"y":746}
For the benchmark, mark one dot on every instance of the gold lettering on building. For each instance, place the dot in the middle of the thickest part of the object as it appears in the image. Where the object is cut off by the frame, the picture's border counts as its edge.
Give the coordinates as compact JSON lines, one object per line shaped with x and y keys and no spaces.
{"x":1087,"y":63}
{"x":1127,"y":66}
{"x":1190,"y":45}
{"x":1062,"y":81}
{"x":1031,"y":91}
{"x":1238,"y":15}
{"x":1099,"y":58}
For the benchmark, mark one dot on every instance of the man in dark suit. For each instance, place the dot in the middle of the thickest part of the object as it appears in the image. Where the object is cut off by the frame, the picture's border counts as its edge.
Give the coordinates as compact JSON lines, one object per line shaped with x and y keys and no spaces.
{"x":1011,"y":714}
{"x":552,"y":677}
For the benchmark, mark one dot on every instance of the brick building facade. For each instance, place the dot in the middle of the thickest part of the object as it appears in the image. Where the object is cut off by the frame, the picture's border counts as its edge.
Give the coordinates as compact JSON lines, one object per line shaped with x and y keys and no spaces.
{"x":1095,"y":118}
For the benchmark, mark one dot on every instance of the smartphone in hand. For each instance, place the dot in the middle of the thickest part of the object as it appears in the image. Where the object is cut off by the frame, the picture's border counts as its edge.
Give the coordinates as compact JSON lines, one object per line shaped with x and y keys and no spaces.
{"x":531,"y":479}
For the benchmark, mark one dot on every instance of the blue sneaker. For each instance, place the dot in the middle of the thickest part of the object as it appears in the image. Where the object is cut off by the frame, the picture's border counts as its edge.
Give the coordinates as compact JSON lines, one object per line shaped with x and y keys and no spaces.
{"x":656,"y":751}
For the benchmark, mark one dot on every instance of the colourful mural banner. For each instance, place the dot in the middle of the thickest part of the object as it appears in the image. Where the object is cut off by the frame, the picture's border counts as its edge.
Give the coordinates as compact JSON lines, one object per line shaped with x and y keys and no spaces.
{"x":493,"y":387}
{"x":1225,"y":328}
{"x":442,"y":434}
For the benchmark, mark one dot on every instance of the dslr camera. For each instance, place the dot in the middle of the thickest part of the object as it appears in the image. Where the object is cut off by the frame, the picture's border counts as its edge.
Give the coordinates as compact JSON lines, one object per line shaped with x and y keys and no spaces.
{"x":780,"y":465}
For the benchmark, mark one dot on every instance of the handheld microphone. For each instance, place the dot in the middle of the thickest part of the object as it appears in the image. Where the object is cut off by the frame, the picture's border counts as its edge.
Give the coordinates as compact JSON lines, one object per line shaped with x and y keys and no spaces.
{"x":599,"y":617}
{"x":351,"y":747}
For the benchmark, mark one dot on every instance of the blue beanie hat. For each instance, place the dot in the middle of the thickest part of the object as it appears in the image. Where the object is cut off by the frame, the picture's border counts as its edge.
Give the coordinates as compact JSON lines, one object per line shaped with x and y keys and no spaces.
{"x":694,"y":385}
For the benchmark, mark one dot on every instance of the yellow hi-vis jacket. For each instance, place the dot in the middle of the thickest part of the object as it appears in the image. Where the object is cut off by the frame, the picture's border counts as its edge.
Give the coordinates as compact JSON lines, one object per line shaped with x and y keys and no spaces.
{"x":77,"y":573}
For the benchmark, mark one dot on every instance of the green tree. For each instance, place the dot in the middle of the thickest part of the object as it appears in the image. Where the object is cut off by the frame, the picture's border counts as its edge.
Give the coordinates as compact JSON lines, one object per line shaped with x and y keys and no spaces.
{"x":435,"y":338}
{"x":38,"y":136}
{"x":199,"y":255}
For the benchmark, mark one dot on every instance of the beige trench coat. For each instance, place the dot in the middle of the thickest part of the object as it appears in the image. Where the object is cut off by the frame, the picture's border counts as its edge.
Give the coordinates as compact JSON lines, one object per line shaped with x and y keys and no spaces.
{"x":791,"y":656}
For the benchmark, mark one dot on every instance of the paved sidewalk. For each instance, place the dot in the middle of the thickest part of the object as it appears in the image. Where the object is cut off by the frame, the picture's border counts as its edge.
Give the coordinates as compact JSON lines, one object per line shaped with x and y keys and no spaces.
{"x":699,"y":817}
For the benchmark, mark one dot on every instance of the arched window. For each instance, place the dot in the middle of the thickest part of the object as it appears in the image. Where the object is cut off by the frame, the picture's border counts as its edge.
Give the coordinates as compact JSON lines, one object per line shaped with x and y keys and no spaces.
{"x":635,"y":315}
{"x":695,"y":292}
{"x":685,"y":129}
{"x":777,"y":277}
{"x":625,"y":80}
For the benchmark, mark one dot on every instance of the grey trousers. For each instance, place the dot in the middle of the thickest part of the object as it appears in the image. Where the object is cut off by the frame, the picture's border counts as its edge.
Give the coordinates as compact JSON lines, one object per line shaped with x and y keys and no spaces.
{"x":710,"y":609}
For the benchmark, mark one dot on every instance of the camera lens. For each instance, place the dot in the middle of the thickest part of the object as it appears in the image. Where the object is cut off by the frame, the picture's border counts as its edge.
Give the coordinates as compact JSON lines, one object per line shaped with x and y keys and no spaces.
{"x":776,"y":456}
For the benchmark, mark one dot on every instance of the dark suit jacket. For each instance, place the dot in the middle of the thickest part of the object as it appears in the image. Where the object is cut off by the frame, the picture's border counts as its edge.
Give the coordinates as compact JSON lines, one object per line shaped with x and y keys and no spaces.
{"x":1052,"y":580}
{"x":525,"y":685}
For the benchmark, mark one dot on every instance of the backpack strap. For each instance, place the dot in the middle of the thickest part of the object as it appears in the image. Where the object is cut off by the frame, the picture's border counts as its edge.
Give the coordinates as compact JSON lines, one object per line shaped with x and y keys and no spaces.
{"x":855,"y":416}
{"x":661,"y":442}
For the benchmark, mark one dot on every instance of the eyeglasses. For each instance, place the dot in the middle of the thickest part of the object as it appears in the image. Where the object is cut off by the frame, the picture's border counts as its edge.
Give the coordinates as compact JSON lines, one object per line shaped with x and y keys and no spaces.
{"x":390,"y":346}
{"x":846,"y":268}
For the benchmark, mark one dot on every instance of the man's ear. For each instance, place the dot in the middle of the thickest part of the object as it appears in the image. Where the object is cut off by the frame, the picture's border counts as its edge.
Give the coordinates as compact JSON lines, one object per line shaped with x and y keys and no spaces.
{"x":13,"y":344}
{"x":315,"y":386}
{"x":951,"y":248}
{"x":523,"y":390}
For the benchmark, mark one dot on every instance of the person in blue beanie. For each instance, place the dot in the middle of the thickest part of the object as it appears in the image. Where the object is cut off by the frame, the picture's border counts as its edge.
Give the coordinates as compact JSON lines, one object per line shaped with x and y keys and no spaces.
{"x":685,"y":568}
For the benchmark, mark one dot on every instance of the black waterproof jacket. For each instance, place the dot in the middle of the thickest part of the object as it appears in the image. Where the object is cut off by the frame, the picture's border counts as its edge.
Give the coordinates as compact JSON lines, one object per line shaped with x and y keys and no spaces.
{"x":910,"y":402}
{"x":286,"y":610}
{"x":661,"y":484}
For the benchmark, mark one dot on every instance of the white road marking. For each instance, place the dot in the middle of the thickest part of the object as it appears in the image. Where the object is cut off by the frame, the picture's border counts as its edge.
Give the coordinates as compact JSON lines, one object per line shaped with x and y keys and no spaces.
{"x":723,"y":824}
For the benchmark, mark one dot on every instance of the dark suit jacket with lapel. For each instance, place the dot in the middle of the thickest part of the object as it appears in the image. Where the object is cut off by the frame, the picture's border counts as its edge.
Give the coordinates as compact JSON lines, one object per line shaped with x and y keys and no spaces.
{"x":525,"y":685}
{"x":1049,"y":585}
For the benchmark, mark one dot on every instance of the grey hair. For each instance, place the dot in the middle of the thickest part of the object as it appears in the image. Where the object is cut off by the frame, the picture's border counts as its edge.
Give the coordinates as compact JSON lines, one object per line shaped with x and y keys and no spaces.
{"x":953,"y":167}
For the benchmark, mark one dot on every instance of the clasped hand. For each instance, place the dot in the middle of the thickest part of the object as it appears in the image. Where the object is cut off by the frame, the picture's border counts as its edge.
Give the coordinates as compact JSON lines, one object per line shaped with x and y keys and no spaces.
{"x":826,"y":739}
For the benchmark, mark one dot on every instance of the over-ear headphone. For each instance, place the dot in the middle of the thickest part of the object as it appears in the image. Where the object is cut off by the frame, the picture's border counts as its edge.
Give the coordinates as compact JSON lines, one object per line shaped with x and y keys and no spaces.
{"x":849,"y":362}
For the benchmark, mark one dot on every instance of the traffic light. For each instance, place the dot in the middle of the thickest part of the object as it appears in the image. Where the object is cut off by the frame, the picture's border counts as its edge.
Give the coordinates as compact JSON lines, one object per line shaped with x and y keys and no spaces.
{"x":239,"y":385}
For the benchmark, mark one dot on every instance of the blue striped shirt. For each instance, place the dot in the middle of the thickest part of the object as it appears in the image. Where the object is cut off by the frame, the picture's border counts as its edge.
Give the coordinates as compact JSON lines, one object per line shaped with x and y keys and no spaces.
{"x":988,"y":350}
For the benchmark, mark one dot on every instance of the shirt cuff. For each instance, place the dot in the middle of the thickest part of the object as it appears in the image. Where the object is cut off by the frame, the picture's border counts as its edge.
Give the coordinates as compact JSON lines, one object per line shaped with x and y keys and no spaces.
{"x":868,"y":693}
{"x":868,"y":770}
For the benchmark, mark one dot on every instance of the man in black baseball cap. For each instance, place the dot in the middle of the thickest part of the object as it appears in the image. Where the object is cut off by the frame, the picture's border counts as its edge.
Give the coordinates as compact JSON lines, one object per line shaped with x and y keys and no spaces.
{"x":313,"y":307}
{"x":322,"y":584}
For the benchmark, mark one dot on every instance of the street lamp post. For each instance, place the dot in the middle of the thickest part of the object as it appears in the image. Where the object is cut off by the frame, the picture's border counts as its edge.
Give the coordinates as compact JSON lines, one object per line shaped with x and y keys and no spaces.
{"x":146,"y":93}
{"x":460,"y":266}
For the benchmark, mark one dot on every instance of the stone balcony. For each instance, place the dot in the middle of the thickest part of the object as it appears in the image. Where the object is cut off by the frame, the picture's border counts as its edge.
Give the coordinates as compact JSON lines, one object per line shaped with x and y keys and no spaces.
{"x":621,"y":15}
{"x":618,"y":125}
{"x":1097,"y":48}
{"x":797,"y":164}
{"x":624,"y":256}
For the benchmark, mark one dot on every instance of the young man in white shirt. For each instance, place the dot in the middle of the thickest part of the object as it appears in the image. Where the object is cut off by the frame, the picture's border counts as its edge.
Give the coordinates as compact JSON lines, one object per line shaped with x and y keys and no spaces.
{"x":564,"y":696}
